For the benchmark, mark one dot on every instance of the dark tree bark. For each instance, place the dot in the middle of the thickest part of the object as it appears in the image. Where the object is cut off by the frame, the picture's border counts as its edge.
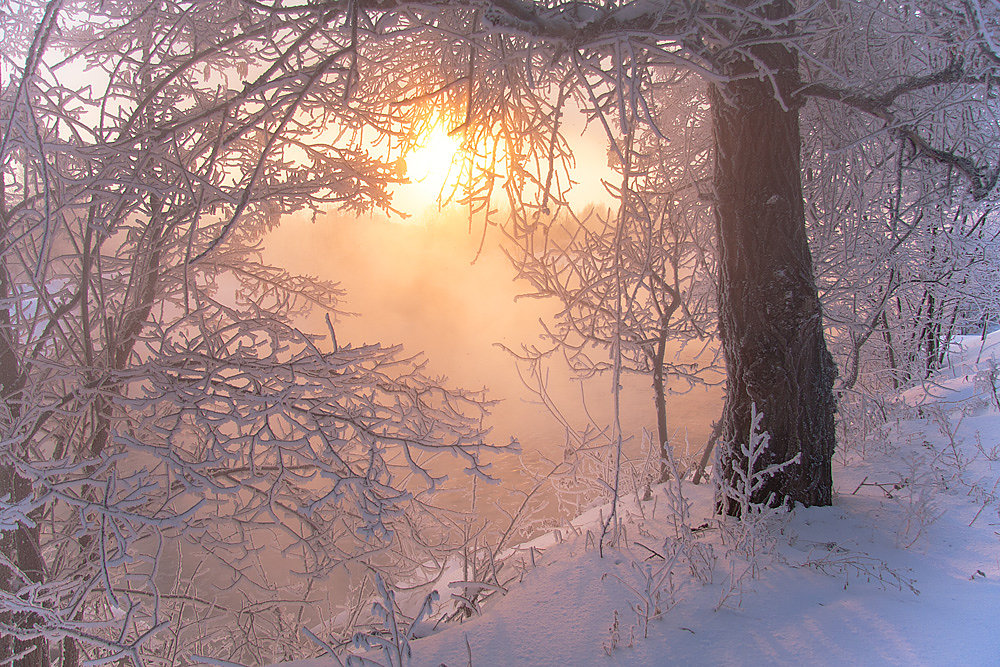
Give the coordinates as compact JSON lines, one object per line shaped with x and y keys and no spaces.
{"x":660,"y":401}
{"x":657,"y":356}
{"x":770,"y":320}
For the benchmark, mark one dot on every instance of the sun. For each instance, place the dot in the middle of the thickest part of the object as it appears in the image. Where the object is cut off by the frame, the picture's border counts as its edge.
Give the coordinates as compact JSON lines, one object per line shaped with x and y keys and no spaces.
{"x":432,"y":167}
{"x":432,"y":162}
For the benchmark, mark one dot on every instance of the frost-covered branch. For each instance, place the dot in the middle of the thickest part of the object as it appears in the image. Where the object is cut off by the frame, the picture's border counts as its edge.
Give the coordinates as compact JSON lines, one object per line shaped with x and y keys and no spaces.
{"x":981,"y":178}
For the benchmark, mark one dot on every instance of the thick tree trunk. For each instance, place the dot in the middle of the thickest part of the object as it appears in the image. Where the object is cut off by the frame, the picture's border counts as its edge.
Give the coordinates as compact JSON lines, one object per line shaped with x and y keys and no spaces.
{"x":770,"y":321}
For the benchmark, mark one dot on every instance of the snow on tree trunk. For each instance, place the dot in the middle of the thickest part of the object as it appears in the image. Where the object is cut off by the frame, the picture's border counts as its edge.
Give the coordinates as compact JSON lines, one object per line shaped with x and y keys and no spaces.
{"x":770,"y":321}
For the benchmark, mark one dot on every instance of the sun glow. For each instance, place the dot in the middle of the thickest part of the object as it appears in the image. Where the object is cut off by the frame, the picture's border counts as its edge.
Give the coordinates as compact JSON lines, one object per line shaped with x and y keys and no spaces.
{"x":433,"y":167}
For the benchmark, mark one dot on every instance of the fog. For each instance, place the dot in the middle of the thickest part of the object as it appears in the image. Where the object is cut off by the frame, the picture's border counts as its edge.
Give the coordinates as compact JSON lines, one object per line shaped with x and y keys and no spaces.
{"x":422,"y":285}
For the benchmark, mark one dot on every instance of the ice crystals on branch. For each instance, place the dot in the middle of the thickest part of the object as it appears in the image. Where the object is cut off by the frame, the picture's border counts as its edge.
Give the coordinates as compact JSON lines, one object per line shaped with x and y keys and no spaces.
{"x":751,"y":475}
{"x":324,"y":438}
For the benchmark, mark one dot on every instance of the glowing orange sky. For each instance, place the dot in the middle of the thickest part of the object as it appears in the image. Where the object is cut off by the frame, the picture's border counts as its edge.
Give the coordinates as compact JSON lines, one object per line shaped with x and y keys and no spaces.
{"x":434,"y":168}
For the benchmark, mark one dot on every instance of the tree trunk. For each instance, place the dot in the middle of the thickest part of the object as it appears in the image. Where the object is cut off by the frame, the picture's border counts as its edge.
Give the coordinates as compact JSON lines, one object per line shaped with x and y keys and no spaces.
{"x":770,"y":321}
{"x":660,"y":400}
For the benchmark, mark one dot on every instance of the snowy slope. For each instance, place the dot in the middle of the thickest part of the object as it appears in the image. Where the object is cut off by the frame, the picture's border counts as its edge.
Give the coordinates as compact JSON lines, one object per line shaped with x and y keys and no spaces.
{"x":903,"y":569}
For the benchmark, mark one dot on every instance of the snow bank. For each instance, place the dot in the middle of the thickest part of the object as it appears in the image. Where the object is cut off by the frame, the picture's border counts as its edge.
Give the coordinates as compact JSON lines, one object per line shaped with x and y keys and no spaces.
{"x":904,"y":568}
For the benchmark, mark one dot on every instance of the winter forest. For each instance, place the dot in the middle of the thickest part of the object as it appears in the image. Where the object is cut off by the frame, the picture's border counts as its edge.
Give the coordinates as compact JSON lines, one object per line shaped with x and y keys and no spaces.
{"x":732,"y":269}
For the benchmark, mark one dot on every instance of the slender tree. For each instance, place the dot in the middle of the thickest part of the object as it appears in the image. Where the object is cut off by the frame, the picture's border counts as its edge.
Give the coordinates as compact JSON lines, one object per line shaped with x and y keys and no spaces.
{"x":658,"y":242}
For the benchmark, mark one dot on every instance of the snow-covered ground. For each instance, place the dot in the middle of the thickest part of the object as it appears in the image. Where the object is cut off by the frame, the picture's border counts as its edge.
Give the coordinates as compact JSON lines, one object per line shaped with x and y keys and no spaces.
{"x":904,"y":568}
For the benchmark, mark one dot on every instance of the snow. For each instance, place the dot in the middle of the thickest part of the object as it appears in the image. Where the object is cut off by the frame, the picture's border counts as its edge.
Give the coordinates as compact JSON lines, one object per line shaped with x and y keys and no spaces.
{"x":904,"y":568}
